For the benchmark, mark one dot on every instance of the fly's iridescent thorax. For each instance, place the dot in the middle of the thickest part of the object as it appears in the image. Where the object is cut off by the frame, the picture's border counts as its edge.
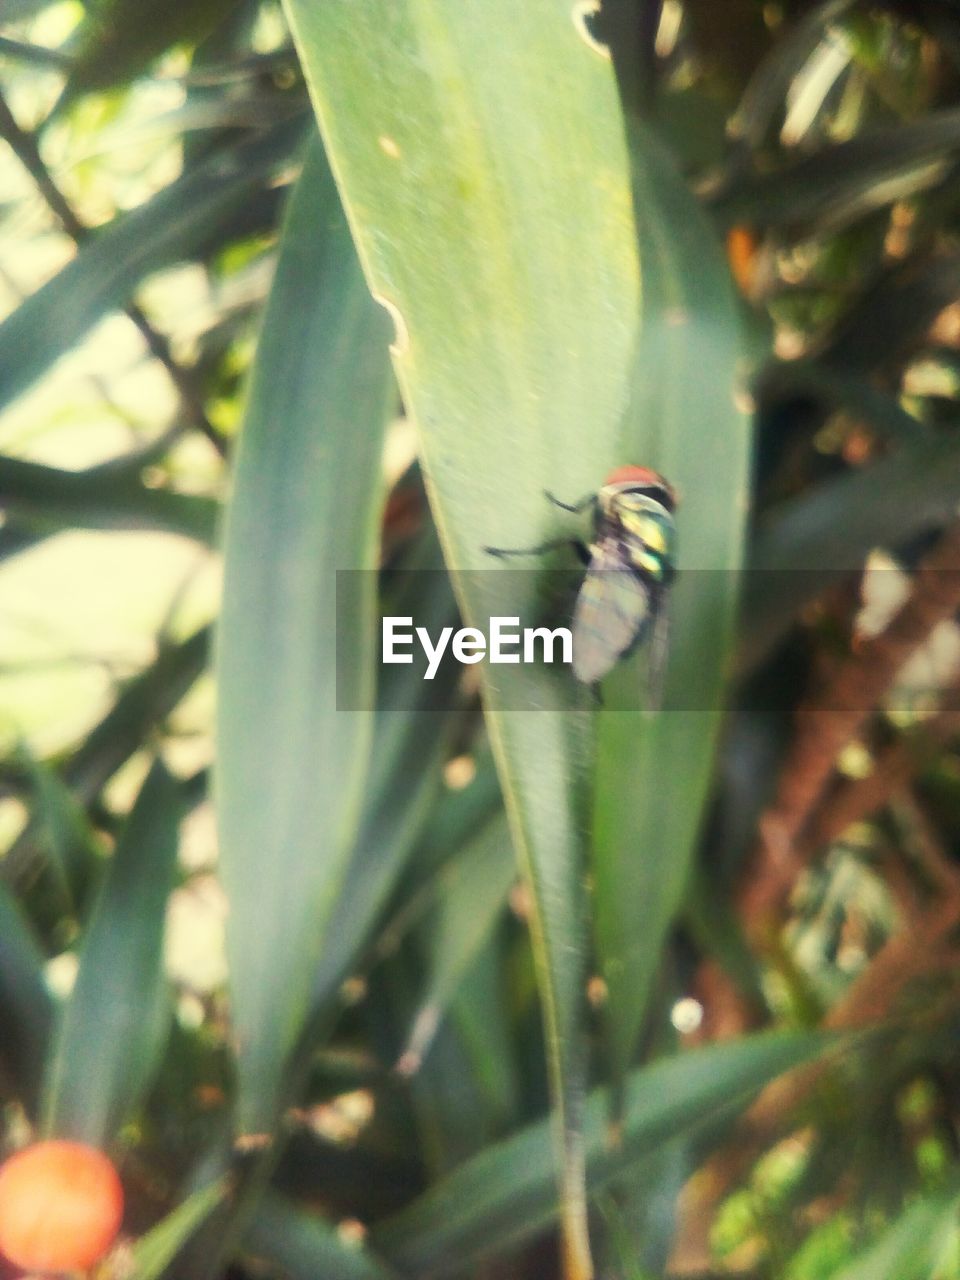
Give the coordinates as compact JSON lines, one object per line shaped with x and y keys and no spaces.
{"x":635,"y":510}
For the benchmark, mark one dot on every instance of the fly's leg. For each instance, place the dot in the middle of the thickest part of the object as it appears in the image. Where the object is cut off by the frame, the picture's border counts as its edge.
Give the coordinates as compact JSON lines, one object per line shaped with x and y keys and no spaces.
{"x":553,"y":545}
{"x":577,"y":507}
{"x":542,"y":548}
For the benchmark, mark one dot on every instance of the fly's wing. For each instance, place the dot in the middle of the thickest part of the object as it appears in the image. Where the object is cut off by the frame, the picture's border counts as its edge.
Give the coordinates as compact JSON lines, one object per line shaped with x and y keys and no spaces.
{"x":612,"y":611}
{"x":657,"y":649}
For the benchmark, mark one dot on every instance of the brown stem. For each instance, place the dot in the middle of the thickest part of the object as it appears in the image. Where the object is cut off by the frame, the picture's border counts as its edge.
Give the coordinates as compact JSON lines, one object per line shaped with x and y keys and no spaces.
{"x":828,"y":722}
{"x":940,"y":869}
{"x":852,"y":800}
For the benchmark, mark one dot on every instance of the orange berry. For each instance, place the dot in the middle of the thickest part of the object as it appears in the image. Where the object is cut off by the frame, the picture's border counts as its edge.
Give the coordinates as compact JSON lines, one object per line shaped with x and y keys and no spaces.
{"x":742,"y":247}
{"x":61,"y":1205}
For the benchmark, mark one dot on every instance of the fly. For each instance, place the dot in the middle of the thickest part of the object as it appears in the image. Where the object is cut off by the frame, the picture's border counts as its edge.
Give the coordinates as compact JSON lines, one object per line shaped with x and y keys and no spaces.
{"x":622,"y":601}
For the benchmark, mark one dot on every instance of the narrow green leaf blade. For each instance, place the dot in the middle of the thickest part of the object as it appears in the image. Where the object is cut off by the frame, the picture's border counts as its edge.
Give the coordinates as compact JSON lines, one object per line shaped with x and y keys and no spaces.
{"x":305,"y":1247}
{"x":48,"y":499}
{"x":70,"y":844}
{"x":840,"y":183}
{"x":506,"y":1193}
{"x":653,"y":771}
{"x":120,"y":38}
{"x":154,"y":1252}
{"x":111,"y":1030}
{"x":475,"y":888}
{"x":306,"y":502}
{"x":26,"y":1010}
{"x":410,"y":736}
{"x":807,"y":541}
{"x":910,"y":1248}
{"x":169,"y":228}
{"x":480,"y":153}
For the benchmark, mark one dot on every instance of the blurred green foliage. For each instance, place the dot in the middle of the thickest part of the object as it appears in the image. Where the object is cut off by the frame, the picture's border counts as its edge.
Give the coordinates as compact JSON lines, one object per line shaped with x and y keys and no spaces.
{"x":442,"y":988}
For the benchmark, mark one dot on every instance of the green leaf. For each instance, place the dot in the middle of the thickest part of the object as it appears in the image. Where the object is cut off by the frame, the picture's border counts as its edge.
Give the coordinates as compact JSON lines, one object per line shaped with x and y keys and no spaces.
{"x":506,"y":1194}
{"x":891,"y":318}
{"x":306,"y":502}
{"x":119,"y":39}
{"x":458,"y":816}
{"x":410,"y":737}
{"x":142,"y":703}
{"x":306,"y":1247}
{"x":785,"y":379}
{"x":835,"y":185}
{"x":154,"y":1252}
{"x":484,"y":1026}
{"x":70,"y":845}
{"x":479,"y":149}
{"x":653,"y":772}
{"x":18,"y":10}
{"x":111,"y":1029}
{"x":18,"y":50}
{"x":26,"y":1010}
{"x":171,"y":227}
{"x":765,"y":97}
{"x":475,"y":888}
{"x":808,"y":541}
{"x":911,"y":1247}
{"x":46,"y":499}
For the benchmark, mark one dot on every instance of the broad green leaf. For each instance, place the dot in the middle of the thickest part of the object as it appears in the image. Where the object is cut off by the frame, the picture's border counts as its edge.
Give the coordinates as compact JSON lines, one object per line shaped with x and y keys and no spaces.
{"x":911,"y":1247}
{"x":46,"y":500}
{"x":411,"y":735}
{"x":306,"y":503}
{"x":479,"y":150}
{"x":803,"y":545}
{"x":154,"y":1252}
{"x":306,"y":1247}
{"x":111,"y":1029}
{"x":506,"y":1194}
{"x":26,"y":1010}
{"x":653,"y":772}
{"x":171,"y":227}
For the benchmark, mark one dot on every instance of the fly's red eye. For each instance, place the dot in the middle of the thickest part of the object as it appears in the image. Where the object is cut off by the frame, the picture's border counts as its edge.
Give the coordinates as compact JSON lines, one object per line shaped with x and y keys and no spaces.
{"x":635,"y":475}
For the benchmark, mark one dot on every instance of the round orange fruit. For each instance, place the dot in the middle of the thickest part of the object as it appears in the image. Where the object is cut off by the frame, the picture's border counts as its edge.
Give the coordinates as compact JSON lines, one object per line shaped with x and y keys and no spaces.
{"x":61,"y":1205}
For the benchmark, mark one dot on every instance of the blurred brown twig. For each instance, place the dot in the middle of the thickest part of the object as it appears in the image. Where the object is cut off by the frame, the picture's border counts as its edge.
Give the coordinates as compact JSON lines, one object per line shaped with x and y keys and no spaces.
{"x":826,"y":724}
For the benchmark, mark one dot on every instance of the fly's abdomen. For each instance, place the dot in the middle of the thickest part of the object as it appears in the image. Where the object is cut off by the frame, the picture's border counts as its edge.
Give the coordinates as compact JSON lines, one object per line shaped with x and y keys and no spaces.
{"x":611,"y":614}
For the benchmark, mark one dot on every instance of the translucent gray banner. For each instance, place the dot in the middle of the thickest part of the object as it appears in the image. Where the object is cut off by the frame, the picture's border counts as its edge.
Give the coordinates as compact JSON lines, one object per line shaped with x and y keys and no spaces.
{"x":534,"y":631}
